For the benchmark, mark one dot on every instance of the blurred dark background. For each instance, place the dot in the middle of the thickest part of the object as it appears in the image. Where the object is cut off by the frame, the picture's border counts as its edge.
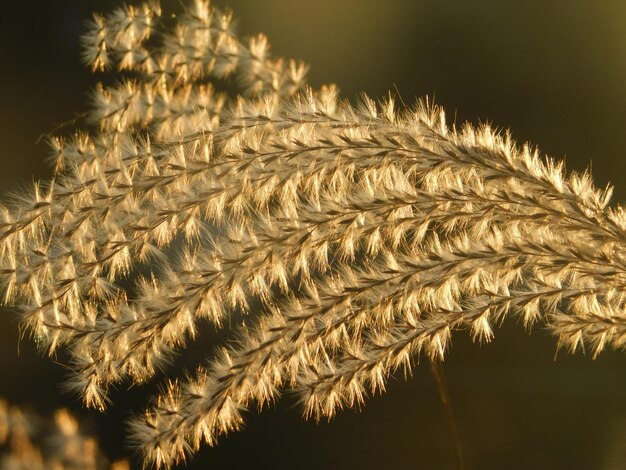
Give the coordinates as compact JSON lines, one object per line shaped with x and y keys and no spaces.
{"x":552,"y":71}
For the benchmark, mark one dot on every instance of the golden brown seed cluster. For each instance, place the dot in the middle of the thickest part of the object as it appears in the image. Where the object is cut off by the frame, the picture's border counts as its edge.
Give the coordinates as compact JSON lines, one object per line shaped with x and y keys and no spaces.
{"x":351,"y":239}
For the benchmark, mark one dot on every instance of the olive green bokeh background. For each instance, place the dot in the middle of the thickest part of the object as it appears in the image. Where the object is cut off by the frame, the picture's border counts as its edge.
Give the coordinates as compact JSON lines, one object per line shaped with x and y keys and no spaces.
{"x":553,"y":71}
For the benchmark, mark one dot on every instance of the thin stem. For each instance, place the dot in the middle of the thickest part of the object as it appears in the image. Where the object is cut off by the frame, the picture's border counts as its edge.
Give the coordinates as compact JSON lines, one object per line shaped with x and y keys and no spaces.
{"x":444,"y":395}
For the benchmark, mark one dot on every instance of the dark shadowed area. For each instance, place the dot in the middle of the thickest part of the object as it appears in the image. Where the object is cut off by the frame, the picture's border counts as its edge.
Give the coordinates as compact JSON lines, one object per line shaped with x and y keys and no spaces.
{"x":553,"y":72}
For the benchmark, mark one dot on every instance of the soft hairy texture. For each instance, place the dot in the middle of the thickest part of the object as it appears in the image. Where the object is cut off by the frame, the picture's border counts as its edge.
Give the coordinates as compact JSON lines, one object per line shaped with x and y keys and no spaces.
{"x":344,"y":241}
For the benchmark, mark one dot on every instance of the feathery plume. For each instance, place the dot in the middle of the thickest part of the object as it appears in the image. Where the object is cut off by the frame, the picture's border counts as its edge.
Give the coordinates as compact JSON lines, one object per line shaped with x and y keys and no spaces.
{"x":352,"y":239}
{"x":30,"y":442}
